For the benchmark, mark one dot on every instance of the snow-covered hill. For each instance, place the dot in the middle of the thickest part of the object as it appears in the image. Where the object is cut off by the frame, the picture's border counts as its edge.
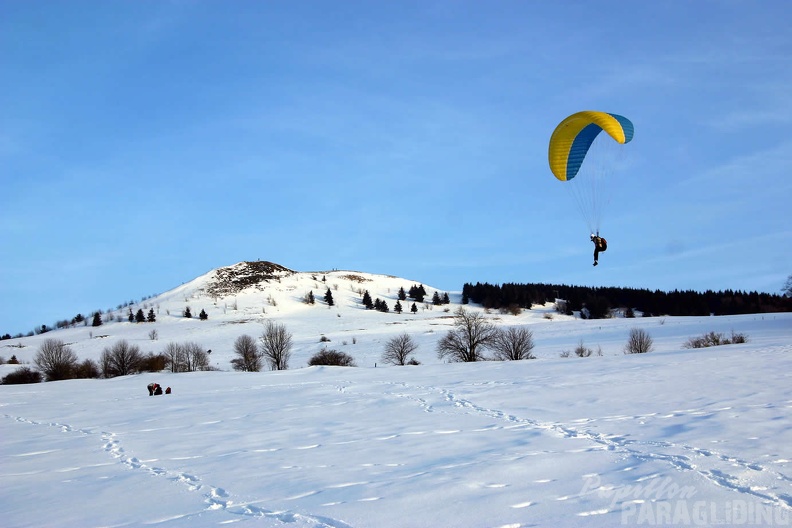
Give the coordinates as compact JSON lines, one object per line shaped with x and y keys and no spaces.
{"x":239,"y":298}
{"x":673,"y":437}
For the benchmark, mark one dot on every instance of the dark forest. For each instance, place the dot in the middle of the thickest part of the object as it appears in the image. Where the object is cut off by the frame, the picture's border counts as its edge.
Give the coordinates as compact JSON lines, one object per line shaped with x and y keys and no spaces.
{"x":598,"y":302}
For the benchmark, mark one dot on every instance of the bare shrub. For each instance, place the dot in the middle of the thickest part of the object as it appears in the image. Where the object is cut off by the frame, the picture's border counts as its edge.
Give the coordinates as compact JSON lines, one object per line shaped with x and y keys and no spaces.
{"x":276,"y":344}
{"x":472,"y":334}
{"x":121,"y":359}
{"x":21,"y":376}
{"x":513,"y":309}
{"x":639,"y":342}
{"x":711,"y":339}
{"x":87,"y":369}
{"x":398,"y":350}
{"x":55,"y":359}
{"x":582,"y":350}
{"x":704,"y":341}
{"x":331,"y":357}
{"x":514,"y":343}
{"x":248,"y":357}
{"x":153,"y":362}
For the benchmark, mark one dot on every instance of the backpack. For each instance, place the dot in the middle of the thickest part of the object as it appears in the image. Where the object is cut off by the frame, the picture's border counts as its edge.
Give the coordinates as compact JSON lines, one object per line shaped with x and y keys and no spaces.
{"x":603,"y":244}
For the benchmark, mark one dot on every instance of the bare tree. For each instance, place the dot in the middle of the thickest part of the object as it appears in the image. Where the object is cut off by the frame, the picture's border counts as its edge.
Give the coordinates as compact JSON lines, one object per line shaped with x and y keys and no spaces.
{"x":639,"y":342}
{"x":513,"y":343}
{"x":276,"y":343}
{"x":787,"y":289}
{"x":56,"y":360}
{"x":472,"y":333}
{"x":398,"y":350}
{"x":120,"y":359}
{"x":195,"y":357}
{"x":248,"y":357}
{"x":174,"y":355}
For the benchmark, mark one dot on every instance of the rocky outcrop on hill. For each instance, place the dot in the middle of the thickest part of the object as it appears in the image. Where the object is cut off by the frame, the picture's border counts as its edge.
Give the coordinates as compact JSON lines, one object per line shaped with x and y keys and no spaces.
{"x":233,"y":279}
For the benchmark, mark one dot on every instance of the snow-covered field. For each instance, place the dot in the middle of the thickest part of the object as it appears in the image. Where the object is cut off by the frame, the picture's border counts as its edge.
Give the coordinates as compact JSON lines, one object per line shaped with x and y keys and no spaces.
{"x":673,"y":437}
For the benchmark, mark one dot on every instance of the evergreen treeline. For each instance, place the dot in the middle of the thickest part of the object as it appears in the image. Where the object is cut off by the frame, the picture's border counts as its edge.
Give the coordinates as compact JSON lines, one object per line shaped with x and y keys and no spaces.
{"x":599,"y":301}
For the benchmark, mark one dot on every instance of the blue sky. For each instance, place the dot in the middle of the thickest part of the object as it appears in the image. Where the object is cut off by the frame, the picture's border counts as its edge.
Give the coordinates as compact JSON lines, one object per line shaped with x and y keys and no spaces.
{"x":144,"y":143}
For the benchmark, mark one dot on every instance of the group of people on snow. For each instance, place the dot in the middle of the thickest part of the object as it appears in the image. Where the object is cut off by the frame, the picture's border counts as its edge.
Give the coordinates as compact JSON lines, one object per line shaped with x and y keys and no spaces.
{"x":155,"y":389}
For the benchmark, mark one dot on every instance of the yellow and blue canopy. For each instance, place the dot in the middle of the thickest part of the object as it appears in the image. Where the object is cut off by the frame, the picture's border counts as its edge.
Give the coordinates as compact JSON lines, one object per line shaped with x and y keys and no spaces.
{"x":572,"y":138}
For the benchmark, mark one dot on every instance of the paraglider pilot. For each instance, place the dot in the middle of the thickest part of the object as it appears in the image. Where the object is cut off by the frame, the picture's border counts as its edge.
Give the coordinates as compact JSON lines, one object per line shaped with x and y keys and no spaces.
{"x":600,"y":244}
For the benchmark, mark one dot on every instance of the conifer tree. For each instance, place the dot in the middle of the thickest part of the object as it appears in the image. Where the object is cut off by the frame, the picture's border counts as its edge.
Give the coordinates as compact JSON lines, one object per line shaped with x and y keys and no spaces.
{"x":367,"y":300}
{"x":151,"y":316}
{"x":417,"y":293}
{"x":397,"y":307}
{"x":203,"y":316}
{"x":97,"y":319}
{"x":140,"y":317}
{"x":436,"y":298}
{"x":328,"y":297}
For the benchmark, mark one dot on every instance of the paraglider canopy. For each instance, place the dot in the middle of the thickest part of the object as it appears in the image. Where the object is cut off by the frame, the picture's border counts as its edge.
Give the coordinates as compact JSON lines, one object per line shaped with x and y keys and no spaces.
{"x":573,"y":137}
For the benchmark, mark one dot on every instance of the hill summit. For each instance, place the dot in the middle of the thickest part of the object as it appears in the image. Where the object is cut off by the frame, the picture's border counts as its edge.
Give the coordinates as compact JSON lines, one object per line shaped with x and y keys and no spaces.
{"x":233,"y":279}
